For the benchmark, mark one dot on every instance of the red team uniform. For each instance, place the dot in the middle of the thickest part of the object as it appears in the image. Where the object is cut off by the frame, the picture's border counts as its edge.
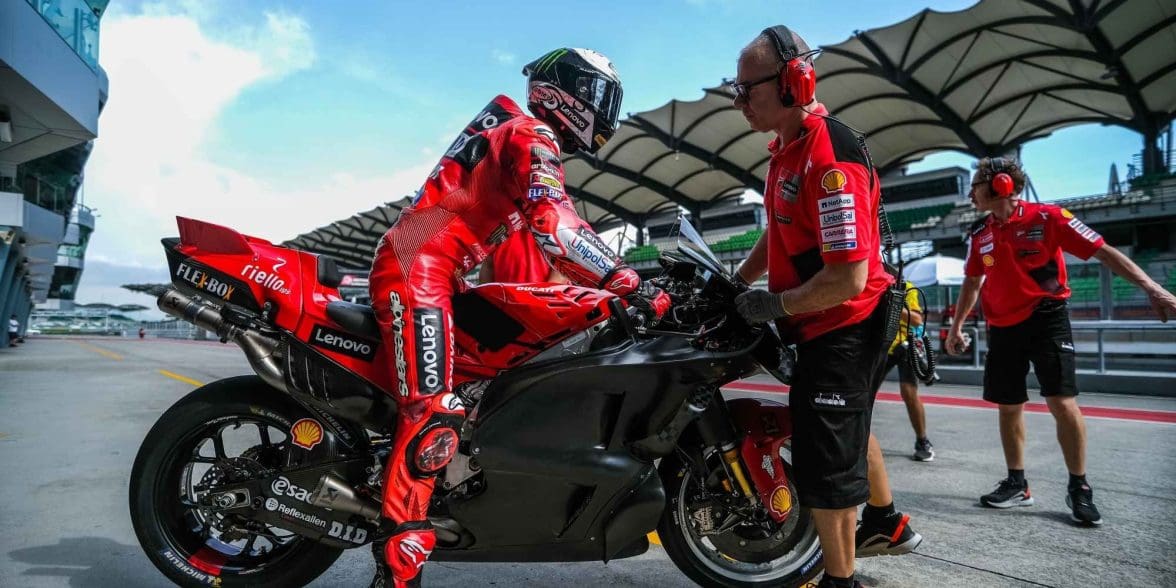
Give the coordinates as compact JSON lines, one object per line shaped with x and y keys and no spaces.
{"x":503,"y":175}
{"x":1024,"y":297}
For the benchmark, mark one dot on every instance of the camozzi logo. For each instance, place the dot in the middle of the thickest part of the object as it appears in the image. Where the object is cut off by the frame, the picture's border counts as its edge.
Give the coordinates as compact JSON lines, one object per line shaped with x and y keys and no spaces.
{"x":204,"y":282}
{"x":269,"y":280}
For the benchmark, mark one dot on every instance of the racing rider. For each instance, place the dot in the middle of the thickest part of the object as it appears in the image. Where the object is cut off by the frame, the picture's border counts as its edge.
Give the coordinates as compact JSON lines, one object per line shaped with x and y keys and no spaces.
{"x":503,"y":174}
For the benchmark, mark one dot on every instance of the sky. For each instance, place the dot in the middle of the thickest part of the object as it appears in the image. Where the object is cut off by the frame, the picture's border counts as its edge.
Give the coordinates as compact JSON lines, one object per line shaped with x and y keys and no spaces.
{"x":275,"y":118}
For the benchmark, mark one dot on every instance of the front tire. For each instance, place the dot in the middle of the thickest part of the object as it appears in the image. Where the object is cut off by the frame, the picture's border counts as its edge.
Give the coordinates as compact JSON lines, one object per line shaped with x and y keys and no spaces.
{"x":788,"y":557}
{"x":189,"y":547}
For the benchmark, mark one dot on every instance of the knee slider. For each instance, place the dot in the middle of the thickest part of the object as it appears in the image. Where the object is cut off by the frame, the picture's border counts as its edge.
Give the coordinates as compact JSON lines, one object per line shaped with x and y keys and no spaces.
{"x":432,"y":448}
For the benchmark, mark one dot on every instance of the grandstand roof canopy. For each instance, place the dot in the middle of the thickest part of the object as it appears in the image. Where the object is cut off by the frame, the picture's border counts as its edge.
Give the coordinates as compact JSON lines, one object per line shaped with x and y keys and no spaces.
{"x":352,"y":240}
{"x":981,"y":81}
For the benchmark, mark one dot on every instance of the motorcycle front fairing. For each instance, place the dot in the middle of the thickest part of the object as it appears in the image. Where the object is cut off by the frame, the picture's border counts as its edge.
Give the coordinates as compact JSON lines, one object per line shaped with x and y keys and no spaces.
{"x":555,"y":444}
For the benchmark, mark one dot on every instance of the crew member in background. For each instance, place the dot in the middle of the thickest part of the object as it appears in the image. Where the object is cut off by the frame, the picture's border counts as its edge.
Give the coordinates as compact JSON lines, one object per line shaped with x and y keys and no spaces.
{"x":13,"y":331}
{"x":826,"y":287}
{"x":1016,"y":254}
{"x":910,"y":325}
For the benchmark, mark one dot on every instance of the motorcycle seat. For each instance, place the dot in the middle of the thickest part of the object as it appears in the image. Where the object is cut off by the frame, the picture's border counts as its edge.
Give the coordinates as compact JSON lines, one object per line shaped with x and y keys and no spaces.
{"x":357,"y":319}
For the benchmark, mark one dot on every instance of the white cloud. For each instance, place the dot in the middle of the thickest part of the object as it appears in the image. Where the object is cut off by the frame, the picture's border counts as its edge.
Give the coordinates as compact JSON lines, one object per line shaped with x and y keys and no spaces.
{"x":503,"y":57}
{"x":170,"y":80}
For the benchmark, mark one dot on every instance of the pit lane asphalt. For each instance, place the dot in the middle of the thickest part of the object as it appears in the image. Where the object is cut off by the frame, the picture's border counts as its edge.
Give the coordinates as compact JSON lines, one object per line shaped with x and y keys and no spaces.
{"x":73,"y":412}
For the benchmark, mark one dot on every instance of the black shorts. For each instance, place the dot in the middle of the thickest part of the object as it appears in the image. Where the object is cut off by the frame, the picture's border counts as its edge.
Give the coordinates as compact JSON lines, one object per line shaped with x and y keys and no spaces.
{"x":899,"y":358}
{"x":1045,"y":340}
{"x":832,"y":397}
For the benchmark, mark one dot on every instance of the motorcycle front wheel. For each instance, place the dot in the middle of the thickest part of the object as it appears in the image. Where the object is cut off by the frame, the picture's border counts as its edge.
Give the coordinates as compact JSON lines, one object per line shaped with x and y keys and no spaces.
{"x":231,"y":427}
{"x":741,"y":553}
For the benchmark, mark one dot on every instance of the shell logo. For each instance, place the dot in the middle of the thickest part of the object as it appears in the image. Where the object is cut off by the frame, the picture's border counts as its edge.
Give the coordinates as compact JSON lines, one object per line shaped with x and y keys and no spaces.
{"x":988,"y":260}
{"x":306,"y":433}
{"x":833,"y":180}
{"x":1067,"y":213}
{"x":781,"y":500}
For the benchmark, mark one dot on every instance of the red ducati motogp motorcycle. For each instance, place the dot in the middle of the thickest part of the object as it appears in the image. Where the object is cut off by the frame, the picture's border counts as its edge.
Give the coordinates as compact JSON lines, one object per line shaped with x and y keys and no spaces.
{"x":586,"y":429}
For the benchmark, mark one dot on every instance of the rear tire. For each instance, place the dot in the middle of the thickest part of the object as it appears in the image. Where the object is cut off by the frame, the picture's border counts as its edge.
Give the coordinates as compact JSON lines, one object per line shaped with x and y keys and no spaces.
{"x":791,"y":563}
{"x":154,"y":493}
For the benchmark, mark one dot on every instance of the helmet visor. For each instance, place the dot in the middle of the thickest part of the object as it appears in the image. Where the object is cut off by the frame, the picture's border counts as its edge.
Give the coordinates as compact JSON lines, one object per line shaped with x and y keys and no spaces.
{"x":603,"y":95}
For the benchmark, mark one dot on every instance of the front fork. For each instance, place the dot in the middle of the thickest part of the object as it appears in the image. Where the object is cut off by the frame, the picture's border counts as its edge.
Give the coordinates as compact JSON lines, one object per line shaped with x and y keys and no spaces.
{"x":749,"y":433}
{"x":716,"y":430}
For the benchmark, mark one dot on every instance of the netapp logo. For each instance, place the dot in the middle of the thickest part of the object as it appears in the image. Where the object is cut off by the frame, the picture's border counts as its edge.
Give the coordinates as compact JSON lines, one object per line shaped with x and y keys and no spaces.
{"x":341,"y":342}
{"x":835,"y":202}
{"x":430,"y":350}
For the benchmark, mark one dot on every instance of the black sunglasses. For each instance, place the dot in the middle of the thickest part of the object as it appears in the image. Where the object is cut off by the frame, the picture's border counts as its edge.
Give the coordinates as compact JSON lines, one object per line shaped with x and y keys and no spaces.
{"x":743,"y":89}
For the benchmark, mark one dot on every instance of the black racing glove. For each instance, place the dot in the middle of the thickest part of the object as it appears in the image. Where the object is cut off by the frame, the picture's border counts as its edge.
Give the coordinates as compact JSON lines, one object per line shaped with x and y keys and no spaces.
{"x":650,"y":300}
{"x":760,"y":306}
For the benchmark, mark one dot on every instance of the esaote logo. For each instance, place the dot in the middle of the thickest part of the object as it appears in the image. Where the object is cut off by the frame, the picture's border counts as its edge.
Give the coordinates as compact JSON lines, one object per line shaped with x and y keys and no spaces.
{"x":306,"y":433}
{"x":270,"y":279}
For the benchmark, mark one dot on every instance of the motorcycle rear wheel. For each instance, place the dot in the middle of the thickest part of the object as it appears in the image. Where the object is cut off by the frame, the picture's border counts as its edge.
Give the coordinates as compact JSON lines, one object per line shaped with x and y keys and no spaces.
{"x":188,"y":547}
{"x":789,"y":558}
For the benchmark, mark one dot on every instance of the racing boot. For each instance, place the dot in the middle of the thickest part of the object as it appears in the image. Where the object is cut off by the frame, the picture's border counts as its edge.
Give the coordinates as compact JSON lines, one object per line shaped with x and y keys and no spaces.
{"x":399,"y":558}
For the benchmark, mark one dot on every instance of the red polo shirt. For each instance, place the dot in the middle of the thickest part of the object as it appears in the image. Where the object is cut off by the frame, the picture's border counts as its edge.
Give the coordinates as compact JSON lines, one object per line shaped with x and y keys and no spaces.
{"x":822,"y":208}
{"x":1022,"y":259}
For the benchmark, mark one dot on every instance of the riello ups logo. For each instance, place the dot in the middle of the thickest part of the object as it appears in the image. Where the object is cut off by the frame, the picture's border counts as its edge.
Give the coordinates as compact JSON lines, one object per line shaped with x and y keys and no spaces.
{"x":341,"y":342}
{"x":203,"y":281}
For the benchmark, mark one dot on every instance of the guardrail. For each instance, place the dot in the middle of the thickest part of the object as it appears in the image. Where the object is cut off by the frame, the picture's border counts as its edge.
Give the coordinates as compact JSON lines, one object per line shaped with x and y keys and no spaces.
{"x":1099,"y":327}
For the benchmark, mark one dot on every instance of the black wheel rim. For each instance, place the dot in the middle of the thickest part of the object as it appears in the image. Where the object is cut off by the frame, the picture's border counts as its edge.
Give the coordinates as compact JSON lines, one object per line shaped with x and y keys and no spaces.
{"x":208,"y":541}
{"x":788,"y":553}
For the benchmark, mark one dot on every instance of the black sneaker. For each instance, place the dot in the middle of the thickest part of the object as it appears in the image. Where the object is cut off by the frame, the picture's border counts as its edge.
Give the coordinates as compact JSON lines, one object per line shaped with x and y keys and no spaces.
{"x":1082,"y":510}
{"x":829,"y":584}
{"x":1008,"y":494}
{"x":892,"y":535}
{"x":924,"y":450}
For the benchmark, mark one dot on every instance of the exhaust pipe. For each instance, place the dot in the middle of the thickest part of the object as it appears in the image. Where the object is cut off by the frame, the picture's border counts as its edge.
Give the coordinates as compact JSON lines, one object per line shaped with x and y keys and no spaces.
{"x":333,"y":493}
{"x":260,"y":350}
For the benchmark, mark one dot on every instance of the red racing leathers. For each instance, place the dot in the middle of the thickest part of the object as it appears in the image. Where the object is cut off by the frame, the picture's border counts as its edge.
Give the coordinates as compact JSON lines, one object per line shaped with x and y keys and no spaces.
{"x":503,"y":174}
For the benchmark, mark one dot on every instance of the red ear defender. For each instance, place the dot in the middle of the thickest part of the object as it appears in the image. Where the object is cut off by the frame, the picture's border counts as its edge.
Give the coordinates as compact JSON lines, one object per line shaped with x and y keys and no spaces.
{"x":1002,"y":185}
{"x":797,"y":84}
{"x":802,"y":81}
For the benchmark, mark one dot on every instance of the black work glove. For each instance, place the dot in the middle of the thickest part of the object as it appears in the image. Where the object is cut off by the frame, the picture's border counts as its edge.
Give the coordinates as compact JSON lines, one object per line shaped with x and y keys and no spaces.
{"x":760,"y":306}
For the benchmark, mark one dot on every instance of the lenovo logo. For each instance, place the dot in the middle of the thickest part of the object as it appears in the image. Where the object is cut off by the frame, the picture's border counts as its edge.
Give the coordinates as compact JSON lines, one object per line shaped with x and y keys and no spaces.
{"x":431,"y":350}
{"x":341,"y":342}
